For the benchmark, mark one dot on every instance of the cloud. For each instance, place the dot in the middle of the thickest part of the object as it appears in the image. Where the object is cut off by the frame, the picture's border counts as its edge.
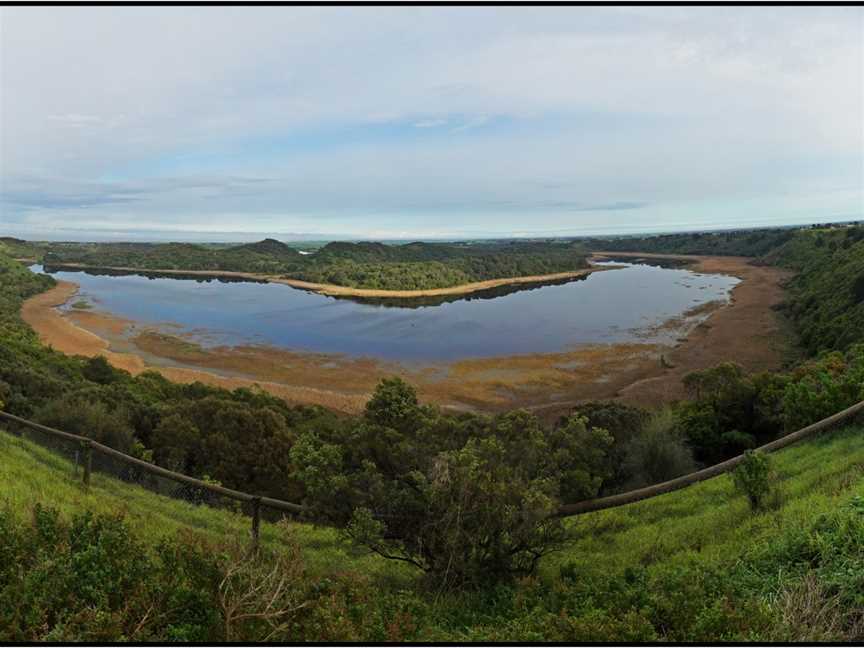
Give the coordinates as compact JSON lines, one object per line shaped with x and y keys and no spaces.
{"x":74,"y":120}
{"x":615,"y":206}
{"x":476,"y":122}
{"x":434,"y":118}
{"x":53,"y":201}
{"x":430,"y":123}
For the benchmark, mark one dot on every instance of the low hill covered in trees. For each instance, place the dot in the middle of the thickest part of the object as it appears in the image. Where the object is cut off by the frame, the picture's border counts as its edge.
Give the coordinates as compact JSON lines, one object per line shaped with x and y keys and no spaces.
{"x":413,"y":266}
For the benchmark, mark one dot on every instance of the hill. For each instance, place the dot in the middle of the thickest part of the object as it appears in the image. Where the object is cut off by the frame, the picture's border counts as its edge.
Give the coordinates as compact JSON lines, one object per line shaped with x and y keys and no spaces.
{"x":22,"y":249}
{"x":413,"y":266}
{"x":268,"y":246}
{"x":692,"y":565}
{"x":826,"y":297}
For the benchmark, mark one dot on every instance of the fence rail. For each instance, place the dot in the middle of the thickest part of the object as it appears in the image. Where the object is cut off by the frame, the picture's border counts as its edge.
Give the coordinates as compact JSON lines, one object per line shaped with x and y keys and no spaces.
{"x":566,"y":510}
{"x":88,"y":446}
{"x":684,"y":481}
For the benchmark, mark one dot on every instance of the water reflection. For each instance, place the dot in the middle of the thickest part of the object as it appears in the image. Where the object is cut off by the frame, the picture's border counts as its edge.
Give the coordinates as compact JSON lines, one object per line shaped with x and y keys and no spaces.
{"x":604,"y":307}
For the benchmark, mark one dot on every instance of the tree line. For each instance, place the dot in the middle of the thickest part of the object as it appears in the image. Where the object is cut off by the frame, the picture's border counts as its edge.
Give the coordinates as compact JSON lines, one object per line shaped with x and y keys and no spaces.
{"x":412,"y":266}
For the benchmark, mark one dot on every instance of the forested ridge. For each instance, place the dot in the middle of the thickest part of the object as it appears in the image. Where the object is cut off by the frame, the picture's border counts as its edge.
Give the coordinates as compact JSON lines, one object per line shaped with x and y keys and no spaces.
{"x":412,"y":266}
{"x":752,"y":243}
{"x":463,"y":499}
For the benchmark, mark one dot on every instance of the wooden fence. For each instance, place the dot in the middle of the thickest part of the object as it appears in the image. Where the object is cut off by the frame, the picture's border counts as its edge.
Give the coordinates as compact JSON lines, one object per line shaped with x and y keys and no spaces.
{"x":88,"y":446}
{"x":706,"y":473}
{"x":567,"y":510}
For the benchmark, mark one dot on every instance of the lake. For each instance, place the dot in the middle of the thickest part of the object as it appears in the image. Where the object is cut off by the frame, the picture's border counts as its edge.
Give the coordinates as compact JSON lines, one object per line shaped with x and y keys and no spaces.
{"x":621,"y":305}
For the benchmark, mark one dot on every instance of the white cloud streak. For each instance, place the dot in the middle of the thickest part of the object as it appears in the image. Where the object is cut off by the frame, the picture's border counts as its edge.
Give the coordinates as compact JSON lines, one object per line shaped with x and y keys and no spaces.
{"x":190,"y":118}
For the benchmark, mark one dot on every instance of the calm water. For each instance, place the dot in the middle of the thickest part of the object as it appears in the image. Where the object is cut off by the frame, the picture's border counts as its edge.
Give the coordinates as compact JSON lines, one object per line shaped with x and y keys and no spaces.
{"x":605,"y":307}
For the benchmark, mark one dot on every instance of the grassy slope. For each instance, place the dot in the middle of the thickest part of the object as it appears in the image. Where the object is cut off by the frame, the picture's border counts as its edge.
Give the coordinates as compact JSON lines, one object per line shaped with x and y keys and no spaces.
{"x":31,"y":474}
{"x":710,"y":522}
{"x":706,"y":523}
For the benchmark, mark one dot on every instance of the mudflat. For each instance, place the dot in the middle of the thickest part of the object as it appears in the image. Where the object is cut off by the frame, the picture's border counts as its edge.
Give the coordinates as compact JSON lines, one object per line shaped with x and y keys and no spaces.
{"x":746,"y":331}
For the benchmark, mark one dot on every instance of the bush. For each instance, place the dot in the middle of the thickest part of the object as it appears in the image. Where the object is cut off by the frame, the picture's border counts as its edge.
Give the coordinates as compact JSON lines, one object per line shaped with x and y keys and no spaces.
{"x":99,"y":370}
{"x":77,"y":414}
{"x":823,"y":387}
{"x":91,"y":579}
{"x":466,"y":499}
{"x":658,"y":453}
{"x":623,"y":423}
{"x":754,"y":478}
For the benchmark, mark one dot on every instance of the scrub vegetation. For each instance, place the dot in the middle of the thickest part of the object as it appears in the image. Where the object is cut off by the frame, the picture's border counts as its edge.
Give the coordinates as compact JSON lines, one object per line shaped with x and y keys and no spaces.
{"x":449,"y":516}
{"x":412,"y":266}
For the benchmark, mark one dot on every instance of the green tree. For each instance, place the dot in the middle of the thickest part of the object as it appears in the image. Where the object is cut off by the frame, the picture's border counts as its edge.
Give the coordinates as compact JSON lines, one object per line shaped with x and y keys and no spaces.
{"x":464,"y":498}
{"x":657,"y":452}
{"x":624,"y":423}
{"x":99,"y":370}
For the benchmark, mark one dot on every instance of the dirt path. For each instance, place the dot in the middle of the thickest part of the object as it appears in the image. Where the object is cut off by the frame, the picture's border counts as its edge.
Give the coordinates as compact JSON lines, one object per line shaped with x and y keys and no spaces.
{"x":346,"y":291}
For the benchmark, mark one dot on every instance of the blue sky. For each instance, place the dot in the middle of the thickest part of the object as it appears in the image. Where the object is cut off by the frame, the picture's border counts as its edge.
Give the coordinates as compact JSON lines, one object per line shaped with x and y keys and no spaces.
{"x":232,"y":123}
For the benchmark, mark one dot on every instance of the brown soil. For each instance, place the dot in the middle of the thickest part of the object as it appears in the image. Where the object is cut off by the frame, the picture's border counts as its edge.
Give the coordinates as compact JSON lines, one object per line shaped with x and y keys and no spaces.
{"x":57,"y":331}
{"x":346,"y":291}
{"x":747,"y":331}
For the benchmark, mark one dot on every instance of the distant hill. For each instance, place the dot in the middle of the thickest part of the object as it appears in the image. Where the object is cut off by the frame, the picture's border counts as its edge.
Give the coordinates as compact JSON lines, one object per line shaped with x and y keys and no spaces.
{"x":365,"y":264}
{"x":20,"y":248}
{"x":11,"y":240}
{"x":268,"y":246}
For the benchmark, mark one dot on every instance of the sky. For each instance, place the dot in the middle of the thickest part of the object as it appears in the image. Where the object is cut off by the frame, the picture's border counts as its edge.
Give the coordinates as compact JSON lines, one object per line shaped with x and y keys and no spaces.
{"x":235,"y":123}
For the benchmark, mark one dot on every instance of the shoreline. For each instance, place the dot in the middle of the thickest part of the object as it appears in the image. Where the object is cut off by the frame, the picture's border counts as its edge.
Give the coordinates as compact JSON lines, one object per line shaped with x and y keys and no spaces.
{"x":745,"y":330}
{"x":333,"y":290}
{"x":60,"y":333}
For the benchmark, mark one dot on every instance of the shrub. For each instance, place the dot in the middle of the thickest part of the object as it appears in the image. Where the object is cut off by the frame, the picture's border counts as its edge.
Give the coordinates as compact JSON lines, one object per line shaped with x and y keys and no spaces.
{"x":89,"y":578}
{"x":754,"y":478}
{"x":97,"y":369}
{"x":466,"y":499}
{"x":658,"y":453}
{"x":623,"y":423}
{"x":823,"y":387}
{"x":77,"y":414}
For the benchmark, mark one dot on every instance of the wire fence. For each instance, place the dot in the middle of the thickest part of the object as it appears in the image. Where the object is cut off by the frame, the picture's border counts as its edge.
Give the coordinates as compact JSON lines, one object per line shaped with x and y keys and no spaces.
{"x":87,"y":456}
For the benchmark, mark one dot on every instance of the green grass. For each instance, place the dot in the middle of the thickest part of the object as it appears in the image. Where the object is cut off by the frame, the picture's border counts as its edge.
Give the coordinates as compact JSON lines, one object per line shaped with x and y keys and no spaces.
{"x":680,"y":539}
{"x":708,"y":522}
{"x":31,"y":474}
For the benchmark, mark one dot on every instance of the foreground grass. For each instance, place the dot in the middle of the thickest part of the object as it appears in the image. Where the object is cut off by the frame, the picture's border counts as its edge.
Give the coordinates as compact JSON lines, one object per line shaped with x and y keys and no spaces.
{"x":31,"y":474}
{"x":695,"y":565}
{"x":710,"y":521}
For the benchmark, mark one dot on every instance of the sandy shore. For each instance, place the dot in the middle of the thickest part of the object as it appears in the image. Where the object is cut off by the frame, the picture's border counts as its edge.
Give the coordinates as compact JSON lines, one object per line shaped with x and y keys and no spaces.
{"x":746,"y":331}
{"x":346,"y":291}
{"x":63,"y":335}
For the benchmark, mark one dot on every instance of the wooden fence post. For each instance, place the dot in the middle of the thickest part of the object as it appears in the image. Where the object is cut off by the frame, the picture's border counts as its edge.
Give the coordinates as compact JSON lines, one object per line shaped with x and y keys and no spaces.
{"x":87,"y":447}
{"x":256,"y":523}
